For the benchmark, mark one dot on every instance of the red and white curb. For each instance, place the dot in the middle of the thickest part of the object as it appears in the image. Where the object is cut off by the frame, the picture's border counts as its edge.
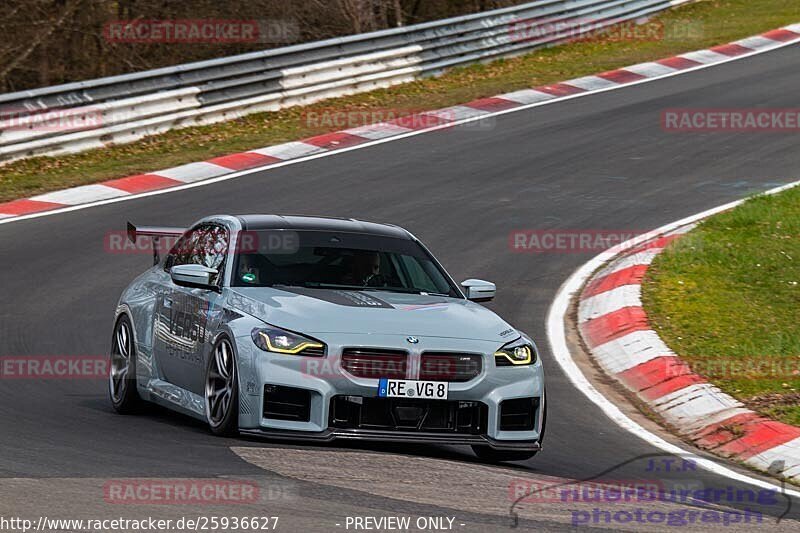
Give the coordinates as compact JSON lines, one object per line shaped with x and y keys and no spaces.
{"x":329,"y":142}
{"x":614,"y":325}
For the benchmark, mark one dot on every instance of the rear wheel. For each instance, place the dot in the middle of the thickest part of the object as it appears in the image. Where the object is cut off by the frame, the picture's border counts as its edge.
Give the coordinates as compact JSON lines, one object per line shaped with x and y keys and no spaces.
{"x":222,"y":390}
{"x":122,"y":374}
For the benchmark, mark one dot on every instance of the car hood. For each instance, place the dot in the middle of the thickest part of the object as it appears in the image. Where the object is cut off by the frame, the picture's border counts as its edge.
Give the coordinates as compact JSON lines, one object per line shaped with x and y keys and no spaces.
{"x":319,"y":311}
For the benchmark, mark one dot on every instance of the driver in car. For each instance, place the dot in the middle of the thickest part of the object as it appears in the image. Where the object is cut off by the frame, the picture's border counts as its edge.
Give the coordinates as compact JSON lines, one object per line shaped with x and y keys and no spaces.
{"x":365,"y":268}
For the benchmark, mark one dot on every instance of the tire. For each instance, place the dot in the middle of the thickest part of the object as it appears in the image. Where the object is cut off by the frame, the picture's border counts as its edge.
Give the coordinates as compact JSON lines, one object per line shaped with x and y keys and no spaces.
{"x":122,"y":372}
{"x":485,"y":453}
{"x":222,"y":390}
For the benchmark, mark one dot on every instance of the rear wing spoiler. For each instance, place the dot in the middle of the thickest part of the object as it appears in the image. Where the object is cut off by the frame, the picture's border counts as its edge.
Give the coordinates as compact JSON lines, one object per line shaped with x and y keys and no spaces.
{"x":154,"y":232}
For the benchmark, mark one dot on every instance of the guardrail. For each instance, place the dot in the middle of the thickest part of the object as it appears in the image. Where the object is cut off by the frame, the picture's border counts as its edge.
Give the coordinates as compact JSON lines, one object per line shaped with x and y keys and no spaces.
{"x":89,"y":114}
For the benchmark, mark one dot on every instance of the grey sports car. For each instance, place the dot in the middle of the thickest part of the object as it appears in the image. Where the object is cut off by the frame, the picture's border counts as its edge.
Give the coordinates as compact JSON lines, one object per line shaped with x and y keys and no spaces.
{"x":293,"y":327}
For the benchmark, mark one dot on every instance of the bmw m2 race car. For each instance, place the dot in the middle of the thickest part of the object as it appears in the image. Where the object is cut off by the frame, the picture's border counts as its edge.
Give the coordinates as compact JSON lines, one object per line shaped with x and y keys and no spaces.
{"x":292,"y":327}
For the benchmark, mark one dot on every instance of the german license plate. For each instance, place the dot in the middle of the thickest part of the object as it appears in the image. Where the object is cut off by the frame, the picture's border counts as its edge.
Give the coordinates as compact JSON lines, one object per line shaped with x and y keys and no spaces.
{"x":408,"y":388}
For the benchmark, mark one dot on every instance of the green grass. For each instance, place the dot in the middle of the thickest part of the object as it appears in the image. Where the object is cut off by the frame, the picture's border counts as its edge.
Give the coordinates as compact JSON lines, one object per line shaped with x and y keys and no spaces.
{"x":692,"y":27}
{"x":726,"y":298}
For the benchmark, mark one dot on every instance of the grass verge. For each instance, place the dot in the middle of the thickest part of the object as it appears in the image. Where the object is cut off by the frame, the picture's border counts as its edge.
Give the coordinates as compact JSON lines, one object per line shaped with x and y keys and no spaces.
{"x":695,"y":26}
{"x":726,"y":298}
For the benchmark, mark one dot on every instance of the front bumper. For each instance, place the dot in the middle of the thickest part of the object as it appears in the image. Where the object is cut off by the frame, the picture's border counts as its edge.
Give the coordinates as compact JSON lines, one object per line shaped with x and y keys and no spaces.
{"x":326,"y":382}
{"x":330,"y":435}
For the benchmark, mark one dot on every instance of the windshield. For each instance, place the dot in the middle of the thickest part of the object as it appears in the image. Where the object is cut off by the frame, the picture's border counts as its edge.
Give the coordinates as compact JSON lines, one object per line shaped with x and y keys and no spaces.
{"x":329,"y":260}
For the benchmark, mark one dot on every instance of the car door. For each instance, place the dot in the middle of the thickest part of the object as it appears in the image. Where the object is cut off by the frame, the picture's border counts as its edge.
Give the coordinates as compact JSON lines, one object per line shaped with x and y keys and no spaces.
{"x":186,"y":317}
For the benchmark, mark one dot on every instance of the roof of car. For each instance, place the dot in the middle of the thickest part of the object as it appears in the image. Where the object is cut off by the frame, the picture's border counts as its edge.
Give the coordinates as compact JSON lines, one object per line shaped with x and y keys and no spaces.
{"x":311,"y":223}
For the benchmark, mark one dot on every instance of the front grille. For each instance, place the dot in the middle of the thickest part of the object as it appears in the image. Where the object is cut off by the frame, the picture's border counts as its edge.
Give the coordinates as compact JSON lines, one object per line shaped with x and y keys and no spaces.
{"x":400,"y":414}
{"x":287,"y":403}
{"x":452,"y":367}
{"x":519,"y":414}
{"x":375,"y":363}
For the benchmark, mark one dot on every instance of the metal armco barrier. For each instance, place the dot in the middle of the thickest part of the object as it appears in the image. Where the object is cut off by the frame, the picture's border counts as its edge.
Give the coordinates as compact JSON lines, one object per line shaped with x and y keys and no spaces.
{"x":118,"y":109}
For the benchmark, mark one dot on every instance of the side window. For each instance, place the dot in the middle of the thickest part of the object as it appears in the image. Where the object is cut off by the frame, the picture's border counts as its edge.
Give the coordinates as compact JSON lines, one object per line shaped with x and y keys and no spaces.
{"x":212,"y":249}
{"x":181,"y":251}
{"x":205,"y":245}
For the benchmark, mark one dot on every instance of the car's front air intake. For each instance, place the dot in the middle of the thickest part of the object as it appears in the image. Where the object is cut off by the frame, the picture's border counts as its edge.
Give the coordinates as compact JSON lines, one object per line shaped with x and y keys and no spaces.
{"x":287,"y":403}
{"x":375,"y":363}
{"x":401,"y":414}
{"x":519,"y":414}
{"x":452,"y":367}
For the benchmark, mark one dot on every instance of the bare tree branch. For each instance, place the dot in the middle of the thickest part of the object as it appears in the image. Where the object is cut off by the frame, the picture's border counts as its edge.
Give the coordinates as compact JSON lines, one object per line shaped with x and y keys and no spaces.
{"x":58,"y":41}
{"x":69,"y":10}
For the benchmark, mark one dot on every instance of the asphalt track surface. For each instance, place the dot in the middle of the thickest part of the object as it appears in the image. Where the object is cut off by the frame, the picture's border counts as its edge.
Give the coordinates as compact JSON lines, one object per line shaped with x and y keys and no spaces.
{"x":601,"y":162}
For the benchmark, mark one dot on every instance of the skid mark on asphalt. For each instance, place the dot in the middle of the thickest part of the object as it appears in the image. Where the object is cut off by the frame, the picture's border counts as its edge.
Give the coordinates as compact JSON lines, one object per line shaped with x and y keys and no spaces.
{"x":470,"y":487}
{"x":71,"y":499}
{"x":86,"y":499}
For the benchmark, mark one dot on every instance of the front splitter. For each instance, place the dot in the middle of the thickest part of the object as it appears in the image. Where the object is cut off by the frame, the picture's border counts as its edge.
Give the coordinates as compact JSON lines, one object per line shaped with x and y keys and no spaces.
{"x":410,"y":437}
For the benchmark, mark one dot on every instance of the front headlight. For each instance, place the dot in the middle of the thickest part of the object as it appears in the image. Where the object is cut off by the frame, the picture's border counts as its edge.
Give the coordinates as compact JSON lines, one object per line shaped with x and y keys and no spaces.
{"x":276,"y":340}
{"x":517,"y":353}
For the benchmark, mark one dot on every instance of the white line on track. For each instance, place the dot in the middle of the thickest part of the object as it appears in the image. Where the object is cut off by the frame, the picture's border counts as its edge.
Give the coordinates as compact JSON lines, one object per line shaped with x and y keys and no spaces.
{"x":558,"y":344}
{"x":247,"y":172}
{"x":555,"y":320}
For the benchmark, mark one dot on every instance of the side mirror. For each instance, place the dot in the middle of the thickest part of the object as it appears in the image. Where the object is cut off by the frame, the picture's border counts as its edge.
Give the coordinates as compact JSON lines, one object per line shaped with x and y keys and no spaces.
{"x":194,"y":276}
{"x":478,"y":290}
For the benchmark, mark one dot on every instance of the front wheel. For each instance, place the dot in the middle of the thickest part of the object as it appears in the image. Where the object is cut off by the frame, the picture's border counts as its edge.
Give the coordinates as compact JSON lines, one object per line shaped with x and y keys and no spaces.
{"x":222,"y":390}
{"x":122,"y":374}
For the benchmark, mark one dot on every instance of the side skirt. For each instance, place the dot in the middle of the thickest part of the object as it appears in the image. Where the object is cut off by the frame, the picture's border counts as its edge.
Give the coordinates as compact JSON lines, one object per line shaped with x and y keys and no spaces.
{"x":176,"y":398}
